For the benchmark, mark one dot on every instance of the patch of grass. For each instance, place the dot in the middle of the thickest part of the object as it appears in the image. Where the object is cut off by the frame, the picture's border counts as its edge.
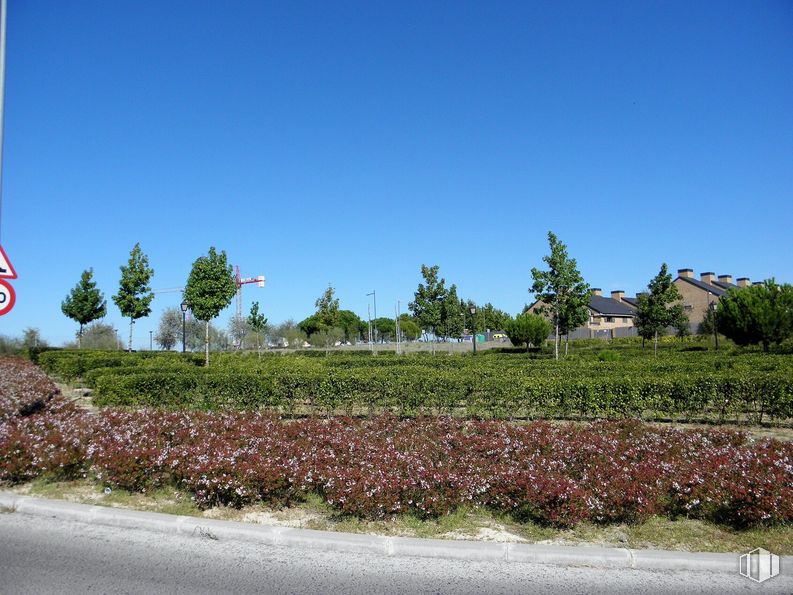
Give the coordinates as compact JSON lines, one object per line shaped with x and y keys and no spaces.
{"x":464,"y":523}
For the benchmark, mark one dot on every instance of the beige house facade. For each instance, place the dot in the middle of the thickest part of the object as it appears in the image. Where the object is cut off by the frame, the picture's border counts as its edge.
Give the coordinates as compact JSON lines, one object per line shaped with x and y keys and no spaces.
{"x":699,"y":294}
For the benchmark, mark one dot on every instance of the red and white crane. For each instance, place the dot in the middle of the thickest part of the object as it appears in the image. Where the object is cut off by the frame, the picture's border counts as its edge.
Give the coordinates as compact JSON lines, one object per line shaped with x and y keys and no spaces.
{"x":240,"y":281}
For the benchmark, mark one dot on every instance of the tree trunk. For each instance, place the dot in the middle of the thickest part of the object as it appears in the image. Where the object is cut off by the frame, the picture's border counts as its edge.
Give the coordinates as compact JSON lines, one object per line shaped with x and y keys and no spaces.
{"x":566,"y":343}
{"x":131,"y":322}
{"x":556,"y":342}
{"x":655,"y":345}
{"x":206,"y":344}
{"x":80,"y":337}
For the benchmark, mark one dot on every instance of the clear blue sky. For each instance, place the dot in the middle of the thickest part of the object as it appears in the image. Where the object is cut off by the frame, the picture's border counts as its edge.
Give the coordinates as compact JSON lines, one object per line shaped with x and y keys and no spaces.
{"x":350,"y":142}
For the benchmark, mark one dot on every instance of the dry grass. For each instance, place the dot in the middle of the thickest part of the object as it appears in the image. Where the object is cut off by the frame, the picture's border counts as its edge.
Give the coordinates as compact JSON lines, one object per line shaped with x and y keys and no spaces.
{"x":465,"y":523}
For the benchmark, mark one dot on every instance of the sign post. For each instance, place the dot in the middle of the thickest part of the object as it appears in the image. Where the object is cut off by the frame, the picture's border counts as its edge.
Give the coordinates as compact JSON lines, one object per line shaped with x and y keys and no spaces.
{"x":7,"y":297}
{"x":6,"y":268}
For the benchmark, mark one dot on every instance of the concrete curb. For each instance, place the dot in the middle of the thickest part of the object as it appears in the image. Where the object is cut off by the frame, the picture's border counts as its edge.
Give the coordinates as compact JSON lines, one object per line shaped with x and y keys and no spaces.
{"x":599,"y":557}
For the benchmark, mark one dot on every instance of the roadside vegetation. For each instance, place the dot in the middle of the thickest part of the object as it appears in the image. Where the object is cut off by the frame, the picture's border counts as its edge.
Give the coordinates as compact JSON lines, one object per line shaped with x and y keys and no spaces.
{"x":539,"y":480}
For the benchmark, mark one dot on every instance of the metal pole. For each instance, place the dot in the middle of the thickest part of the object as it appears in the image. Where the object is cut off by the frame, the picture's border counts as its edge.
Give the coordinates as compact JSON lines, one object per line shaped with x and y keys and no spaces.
{"x":3,"y":13}
{"x":184,"y":319}
{"x":151,"y":344}
{"x":369,"y":316}
{"x":396,"y":327}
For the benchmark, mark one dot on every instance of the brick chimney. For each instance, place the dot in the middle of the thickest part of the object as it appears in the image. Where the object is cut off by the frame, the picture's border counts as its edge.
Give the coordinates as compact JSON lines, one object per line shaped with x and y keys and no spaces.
{"x":618,"y":294}
{"x":596,"y":291}
{"x":687,"y":273}
{"x":708,"y":278}
{"x":725,"y":279}
{"x":744,"y":282}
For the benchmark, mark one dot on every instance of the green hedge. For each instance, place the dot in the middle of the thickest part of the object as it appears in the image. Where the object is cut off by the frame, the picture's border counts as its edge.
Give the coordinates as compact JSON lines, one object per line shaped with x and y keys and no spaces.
{"x":678,"y":385}
{"x":723,"y":396}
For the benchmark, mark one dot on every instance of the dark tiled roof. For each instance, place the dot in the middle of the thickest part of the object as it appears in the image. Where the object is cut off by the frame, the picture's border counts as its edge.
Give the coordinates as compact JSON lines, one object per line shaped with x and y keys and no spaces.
{"x":633,"y":301}
{"x":608,"y":306}
{"x":717,"y":291}
{"x":723,"y":285}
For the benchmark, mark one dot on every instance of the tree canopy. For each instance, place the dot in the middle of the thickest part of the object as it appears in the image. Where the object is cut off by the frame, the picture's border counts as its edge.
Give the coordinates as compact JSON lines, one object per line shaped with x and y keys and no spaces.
{"x":210,"y":288}
{"x":134,"y":295}
{"x":660,"y":307}
{"x":85,"y":303}
{"x":428,"y":299}
{"x":757,"y":314}
{"x":561,"y":289}
{"x":529,"y":329}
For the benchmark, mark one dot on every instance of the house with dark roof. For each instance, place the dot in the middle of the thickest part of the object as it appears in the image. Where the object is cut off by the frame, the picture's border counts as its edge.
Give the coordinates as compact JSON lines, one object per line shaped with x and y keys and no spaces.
{"x":605,"y":313}
{"x":615,"y":315}
{"x":699,"y":294}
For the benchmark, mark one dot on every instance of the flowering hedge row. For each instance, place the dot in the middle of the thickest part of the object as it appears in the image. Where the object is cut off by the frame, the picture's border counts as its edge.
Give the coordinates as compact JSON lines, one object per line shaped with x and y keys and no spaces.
{"x":555,"y":474}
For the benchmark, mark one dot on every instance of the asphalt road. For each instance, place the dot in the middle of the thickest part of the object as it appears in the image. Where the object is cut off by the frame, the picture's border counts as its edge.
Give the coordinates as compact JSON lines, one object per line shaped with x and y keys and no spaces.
{"x":43,"y":555}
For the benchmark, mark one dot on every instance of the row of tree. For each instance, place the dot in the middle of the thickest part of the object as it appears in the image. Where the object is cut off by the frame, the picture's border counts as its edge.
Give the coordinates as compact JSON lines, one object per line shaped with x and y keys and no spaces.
{"x":210,"y":288}
{"x":758,"y":314}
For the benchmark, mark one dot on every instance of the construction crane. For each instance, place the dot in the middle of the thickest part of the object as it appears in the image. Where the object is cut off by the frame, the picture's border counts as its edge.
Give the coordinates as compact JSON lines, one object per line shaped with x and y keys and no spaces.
{"x":240,"y":281}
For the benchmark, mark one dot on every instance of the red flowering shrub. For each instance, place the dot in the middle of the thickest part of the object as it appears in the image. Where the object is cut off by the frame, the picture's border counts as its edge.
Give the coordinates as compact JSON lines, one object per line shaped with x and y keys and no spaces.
{"x":40,"y":430}
{"x":608,"y":471}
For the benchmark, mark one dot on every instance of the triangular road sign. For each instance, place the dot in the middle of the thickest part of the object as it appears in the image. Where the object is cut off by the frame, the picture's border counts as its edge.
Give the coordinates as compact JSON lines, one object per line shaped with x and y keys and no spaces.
{"x":6,"y":268}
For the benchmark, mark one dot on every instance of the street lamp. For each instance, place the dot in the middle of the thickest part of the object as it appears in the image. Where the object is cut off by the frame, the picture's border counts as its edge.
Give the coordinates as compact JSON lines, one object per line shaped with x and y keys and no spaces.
{"x":184,"y":319}
{"x":712,"y":307}
{"x":473,"y":327}
{"x":151,"y":341}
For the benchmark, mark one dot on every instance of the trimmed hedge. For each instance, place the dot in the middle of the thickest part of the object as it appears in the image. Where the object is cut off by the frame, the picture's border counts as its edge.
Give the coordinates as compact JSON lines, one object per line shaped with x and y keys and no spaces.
{"x":723,"y":396}
{"x":679,"y":385}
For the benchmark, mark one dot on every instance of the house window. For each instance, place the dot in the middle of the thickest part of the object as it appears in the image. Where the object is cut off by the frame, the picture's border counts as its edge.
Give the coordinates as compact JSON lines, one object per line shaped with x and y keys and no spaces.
{"x":609,"y":319}
{"x":624,"y":319}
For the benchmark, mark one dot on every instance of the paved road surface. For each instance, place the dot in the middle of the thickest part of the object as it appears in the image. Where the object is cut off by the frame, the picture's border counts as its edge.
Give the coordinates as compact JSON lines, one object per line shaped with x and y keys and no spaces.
{"x":41,"y":555}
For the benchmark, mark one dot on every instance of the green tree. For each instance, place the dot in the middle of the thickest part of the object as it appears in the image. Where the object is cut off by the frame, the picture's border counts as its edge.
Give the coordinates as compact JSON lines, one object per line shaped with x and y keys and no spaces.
{"x":328,"y":307}
{"x":570,"y":318}
{"x":257,"y":323}
{"x":134,"y":295}
{"x":352,"y":325}
{"x":428,"y":300}
{"x":210,"y":288}
{"x":660,"y":307}
{"x":327,"y":338}
{"x":531,"y":329}
{"x":386,"y":328}
{"x":408,"y":327}
{"x":561,"y":288}
{"x":493,"y":318}
{"x":84,"y":304}
{"x":99,"y":335}
{"x":708,"y":324}
{"x":758,"y":314}
{"x":169,"y":330}
{"x":452,"y":315}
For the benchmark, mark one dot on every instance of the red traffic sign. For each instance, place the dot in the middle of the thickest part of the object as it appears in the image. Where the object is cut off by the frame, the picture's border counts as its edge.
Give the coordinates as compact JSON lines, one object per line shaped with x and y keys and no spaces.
{"x":6,"y":268}
{"x":7,"y":297}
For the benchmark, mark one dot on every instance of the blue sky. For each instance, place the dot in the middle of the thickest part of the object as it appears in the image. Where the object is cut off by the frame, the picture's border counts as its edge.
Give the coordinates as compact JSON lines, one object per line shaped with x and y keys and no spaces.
{"x":350,"y":142}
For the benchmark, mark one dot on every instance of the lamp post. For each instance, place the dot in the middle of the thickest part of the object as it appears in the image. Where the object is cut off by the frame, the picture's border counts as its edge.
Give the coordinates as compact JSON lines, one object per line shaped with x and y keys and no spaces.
{"x":473,"y":327}
{"x":374,"y":298}
{"x":712,"y":307}
{"x":184,"y":324}
{"x":151,"y":341}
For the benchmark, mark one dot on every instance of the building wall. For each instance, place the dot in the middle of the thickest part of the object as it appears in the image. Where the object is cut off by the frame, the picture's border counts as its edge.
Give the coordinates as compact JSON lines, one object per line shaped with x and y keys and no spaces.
{"x":598,"y":322}
{"x":695,"y":301}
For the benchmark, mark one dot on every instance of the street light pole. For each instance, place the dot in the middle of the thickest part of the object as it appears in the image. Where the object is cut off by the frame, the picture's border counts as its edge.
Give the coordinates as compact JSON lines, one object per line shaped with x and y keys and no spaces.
{"x":473,"y":327}
{"x":712,"y":307}
{"x":184,"y":324}
{"x":151,"y":343}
